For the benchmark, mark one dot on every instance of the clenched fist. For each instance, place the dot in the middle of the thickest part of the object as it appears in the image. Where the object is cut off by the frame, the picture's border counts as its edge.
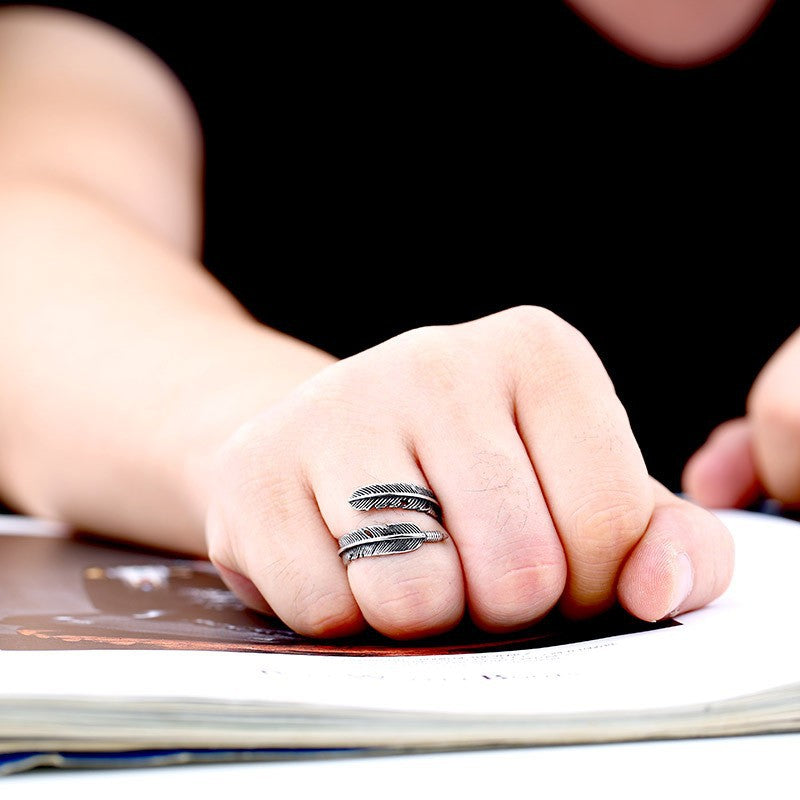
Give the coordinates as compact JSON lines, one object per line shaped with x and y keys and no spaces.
{"x":513,"y":424}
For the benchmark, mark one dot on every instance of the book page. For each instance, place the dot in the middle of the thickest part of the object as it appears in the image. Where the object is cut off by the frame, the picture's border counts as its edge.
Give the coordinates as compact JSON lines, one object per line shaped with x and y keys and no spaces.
{"x":741,"y":644}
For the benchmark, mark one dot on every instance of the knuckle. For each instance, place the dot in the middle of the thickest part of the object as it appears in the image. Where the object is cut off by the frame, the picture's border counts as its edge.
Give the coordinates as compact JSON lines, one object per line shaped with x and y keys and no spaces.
{"x":240,"y":457}
{"x":431,"y":357}
{"x":549,"y":352}
{"x":427,"y":340}
{"x":609,"y":522}
{"x":249,"y":482}
{"x":541,"y":318}
{"x":327,"y":397}
{"x":539,"y":327}
{"x":529,"y":316}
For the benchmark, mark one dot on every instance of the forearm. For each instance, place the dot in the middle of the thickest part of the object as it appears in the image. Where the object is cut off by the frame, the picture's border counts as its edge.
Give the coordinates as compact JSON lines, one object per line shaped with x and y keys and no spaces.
{"x":86,"y":105}
{"x":124,"y":365}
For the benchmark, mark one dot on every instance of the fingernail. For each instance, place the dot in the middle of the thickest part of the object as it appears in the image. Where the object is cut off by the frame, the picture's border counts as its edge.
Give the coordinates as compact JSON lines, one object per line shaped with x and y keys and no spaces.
{"x":684,"y":581}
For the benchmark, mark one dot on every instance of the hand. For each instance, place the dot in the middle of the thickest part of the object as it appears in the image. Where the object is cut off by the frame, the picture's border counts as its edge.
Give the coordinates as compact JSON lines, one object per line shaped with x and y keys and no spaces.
{"x":514,"y":424}
{"x":759,"y":453}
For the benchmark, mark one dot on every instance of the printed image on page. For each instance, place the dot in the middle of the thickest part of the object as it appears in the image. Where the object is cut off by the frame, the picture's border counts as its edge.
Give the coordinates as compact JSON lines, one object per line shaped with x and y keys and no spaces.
{"x":79,"y":593}
{"x":85,"y":618}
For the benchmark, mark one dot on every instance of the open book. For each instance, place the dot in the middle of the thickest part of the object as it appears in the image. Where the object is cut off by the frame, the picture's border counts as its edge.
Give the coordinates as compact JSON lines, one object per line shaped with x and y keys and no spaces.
{"x":110,"y":654}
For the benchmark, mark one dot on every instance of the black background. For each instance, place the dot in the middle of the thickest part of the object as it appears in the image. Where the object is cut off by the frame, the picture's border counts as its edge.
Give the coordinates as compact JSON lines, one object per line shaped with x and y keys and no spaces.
{"x":372,"y":171}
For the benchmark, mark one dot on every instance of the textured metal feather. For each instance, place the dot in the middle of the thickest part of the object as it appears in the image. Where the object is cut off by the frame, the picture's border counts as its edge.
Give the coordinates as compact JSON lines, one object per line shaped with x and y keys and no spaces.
{"x":396,"y":495}
{"x":382,"y":540}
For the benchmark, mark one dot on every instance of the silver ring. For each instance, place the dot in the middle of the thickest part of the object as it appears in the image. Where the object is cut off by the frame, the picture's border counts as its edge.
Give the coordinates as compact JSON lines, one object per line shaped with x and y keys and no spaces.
{"x":385,"y":540}
{"x":407,"y":496}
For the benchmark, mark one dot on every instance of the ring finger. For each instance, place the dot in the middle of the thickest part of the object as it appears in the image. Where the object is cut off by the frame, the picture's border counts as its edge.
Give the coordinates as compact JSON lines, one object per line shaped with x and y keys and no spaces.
{"x":416,"y":588}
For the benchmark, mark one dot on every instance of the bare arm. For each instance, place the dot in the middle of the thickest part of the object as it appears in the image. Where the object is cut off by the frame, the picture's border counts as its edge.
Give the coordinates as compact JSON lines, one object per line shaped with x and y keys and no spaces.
{"x":138,"y":398}
{"x":124,"y":363}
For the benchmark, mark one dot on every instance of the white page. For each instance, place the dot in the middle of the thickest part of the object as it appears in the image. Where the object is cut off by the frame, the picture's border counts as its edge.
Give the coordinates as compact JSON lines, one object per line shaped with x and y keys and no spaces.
{"x":743,"y":643}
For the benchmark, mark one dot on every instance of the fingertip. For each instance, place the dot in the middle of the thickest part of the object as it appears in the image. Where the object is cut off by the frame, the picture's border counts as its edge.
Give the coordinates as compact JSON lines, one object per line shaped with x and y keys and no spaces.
{"x":722,"y":473}
{"x":704,"y":479}
{"x":656,"y":583}
{"x":776,"y":439}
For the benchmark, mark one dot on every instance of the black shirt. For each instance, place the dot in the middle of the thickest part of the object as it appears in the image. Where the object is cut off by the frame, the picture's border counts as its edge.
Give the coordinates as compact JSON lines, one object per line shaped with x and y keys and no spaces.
{"x":372,"y":171}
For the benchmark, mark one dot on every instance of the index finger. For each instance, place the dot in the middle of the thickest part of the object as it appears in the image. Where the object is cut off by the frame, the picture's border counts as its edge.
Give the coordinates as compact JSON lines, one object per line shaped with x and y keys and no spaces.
{"x":586,"y":458}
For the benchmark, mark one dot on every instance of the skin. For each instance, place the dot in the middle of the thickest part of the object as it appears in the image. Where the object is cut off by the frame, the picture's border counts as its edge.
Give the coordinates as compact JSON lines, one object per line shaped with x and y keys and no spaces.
{"x":759,"y":453}
{"x":161,"y":431}
{"x":677,"y":33}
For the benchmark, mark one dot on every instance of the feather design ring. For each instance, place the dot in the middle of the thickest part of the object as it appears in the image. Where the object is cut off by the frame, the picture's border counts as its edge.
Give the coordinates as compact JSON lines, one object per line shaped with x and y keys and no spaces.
{"x":384,"y":540}
{"x":407,"y":496}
